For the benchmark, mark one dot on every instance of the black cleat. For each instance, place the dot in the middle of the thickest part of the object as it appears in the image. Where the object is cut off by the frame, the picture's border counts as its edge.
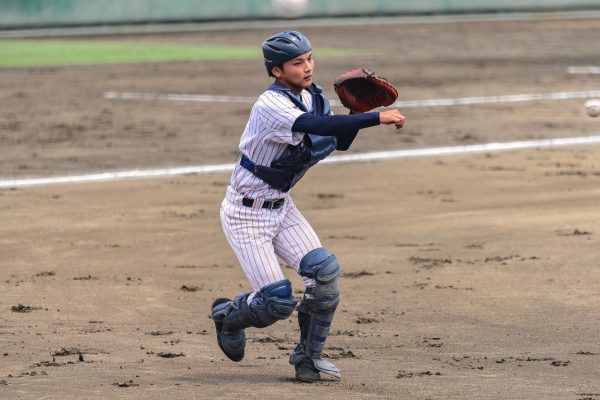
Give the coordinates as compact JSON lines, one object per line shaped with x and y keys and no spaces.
{"x":306,"y":371}
{"x":232,"y":344}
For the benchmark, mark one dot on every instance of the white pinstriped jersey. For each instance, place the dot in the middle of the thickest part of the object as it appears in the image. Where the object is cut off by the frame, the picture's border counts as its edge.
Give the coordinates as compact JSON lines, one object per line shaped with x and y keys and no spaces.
{"x":267,"y":134}
{"x":260,"y":236}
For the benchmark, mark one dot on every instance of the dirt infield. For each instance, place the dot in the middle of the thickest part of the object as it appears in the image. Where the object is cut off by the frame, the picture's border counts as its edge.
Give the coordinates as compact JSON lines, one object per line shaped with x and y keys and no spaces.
{"x":467,"y":276}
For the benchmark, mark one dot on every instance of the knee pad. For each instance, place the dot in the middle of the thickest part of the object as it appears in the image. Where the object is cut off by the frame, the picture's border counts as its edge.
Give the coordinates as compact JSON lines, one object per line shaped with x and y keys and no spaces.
{"x":273,"y":302}
{"x":323,"y":267}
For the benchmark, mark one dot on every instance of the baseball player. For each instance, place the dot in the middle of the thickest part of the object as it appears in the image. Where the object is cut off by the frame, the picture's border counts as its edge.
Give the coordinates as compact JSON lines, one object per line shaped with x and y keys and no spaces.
{"x":290,"y":128}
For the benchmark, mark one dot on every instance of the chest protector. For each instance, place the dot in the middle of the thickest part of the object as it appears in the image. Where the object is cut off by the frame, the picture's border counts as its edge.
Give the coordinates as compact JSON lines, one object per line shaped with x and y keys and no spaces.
{"x":285,"y":171}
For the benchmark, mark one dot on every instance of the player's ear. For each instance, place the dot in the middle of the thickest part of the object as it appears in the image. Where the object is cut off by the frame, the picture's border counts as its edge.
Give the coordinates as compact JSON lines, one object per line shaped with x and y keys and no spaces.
{"x":277,"y":71}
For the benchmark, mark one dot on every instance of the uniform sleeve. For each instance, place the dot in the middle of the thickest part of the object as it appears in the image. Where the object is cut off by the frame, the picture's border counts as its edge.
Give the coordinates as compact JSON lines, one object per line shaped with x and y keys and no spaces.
{"x":335,"y":125}
{"x":277,"y":114}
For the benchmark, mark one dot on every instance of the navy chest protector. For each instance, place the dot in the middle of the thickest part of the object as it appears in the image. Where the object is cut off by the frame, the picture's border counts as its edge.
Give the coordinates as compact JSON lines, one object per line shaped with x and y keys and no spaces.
{"x":285,"y":171}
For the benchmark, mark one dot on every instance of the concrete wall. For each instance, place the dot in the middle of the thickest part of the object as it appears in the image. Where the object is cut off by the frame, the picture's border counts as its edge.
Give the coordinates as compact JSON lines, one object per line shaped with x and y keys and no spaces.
{"x":44,"y":13}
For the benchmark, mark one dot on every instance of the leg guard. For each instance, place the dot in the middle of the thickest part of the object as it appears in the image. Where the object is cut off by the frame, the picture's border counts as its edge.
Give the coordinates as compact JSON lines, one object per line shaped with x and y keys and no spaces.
{"x":272,"y":303}
{"x":315,"y":312}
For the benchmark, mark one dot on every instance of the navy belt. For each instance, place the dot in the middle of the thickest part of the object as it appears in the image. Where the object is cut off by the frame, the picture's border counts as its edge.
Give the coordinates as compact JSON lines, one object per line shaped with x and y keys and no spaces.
{"x":270,"y":204}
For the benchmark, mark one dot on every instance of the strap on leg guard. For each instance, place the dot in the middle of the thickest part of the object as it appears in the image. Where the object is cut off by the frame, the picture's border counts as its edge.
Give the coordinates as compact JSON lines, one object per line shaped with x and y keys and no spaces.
{"x":316,"y":310}
{"x":272,"y":303}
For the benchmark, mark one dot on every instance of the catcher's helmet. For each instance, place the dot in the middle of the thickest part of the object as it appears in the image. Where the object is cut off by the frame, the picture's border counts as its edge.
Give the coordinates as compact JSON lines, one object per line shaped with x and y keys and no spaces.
{"x":282,"y":47}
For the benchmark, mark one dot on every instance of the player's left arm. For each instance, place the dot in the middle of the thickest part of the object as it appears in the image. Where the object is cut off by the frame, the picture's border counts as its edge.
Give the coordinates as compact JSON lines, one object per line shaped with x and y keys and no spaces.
{"x":344,"y":141}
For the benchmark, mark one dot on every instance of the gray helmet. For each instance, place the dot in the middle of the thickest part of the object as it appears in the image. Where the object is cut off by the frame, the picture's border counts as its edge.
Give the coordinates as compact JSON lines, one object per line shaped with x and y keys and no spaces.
{"x":282,"y":47}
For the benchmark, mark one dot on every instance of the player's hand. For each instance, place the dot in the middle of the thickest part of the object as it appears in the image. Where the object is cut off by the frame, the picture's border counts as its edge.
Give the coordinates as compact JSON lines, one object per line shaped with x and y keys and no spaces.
{"x":390,"y":117}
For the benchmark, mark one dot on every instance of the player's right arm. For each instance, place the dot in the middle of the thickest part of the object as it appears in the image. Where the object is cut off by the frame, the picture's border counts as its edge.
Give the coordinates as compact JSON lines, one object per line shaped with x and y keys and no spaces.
{"x":282,"y":119}
{"x":392,"y":117}
{"x":336,"y":125}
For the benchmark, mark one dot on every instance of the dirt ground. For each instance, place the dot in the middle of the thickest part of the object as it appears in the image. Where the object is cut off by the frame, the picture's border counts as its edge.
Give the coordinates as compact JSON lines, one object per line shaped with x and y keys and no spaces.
{"x":466,"y":276}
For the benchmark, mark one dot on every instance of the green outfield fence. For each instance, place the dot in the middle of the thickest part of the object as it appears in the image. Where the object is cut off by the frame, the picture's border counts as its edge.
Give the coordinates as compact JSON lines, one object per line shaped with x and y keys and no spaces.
{"x":49,"y":13}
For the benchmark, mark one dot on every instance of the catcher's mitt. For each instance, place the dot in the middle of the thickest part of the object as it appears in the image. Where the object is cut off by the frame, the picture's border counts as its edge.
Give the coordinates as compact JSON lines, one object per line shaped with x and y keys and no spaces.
{"x":361,"y":90}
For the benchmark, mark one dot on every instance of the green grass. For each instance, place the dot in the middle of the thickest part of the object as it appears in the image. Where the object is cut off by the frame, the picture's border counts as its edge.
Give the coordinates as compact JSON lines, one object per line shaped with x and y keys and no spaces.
{"x":33,"y":53}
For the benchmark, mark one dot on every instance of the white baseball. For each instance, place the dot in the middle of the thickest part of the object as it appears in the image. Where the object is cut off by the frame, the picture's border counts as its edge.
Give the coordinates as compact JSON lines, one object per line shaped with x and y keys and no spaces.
{"x":290,"y":8}
{"x":592,"y":107}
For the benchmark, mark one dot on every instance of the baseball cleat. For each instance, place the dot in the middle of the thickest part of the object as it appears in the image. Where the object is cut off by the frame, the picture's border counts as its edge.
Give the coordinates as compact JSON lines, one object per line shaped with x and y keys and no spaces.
{"x":231,"y":343}
{"x":306,"y":371}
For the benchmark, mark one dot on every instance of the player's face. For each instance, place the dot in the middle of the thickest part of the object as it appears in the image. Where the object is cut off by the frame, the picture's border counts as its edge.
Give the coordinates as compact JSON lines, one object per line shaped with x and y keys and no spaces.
{"x":297,"y":74}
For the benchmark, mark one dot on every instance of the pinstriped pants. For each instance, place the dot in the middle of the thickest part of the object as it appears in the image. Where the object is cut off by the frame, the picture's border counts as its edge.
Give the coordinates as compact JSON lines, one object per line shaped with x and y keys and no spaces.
{"x":258,"y":236}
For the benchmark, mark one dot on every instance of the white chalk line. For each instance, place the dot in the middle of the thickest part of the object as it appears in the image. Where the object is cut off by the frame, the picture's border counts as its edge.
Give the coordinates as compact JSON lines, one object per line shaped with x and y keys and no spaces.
{"x":511,"y":98}
{"x":361,"y":157}
{"x":588,"y":70}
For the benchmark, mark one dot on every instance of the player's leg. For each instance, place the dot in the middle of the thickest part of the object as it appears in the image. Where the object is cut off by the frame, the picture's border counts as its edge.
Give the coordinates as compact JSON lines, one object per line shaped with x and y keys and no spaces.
{"x":294,"y":239}
{"x":250,"y":232}
{"x":270,"y":304}
{"x":299,"y":246}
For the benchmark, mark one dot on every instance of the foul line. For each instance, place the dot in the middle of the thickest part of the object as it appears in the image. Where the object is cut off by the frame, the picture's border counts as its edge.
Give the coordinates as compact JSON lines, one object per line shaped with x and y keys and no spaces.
{"x":362,"y":157}
{"x":590,"y":70}
{"x":511,"y":98}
